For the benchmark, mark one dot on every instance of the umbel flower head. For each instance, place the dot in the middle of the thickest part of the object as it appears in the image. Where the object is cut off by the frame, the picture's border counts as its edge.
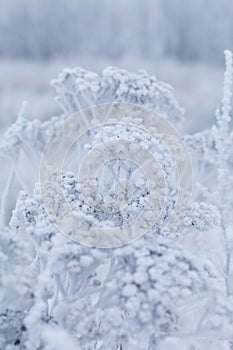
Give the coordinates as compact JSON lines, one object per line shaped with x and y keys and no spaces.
{"x":78,"y":88}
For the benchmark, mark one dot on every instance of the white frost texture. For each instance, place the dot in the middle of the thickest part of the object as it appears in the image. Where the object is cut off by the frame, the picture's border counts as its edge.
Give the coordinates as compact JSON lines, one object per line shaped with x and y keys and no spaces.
{"x":161,"y":292}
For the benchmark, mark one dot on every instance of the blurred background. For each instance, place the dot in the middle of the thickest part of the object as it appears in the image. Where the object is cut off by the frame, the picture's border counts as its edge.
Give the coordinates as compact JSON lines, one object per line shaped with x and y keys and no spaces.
{"x":181,"y":42}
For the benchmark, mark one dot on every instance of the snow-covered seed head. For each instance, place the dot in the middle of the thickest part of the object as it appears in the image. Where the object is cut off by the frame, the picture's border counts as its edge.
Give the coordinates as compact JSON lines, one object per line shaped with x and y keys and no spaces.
{"x":148,"y":292}
{"x":78,"y":88}
{"x":134,"y":173}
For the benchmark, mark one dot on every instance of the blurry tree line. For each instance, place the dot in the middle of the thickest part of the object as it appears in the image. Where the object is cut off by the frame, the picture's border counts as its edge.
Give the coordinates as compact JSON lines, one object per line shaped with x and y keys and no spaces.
{"x":184,"y":29}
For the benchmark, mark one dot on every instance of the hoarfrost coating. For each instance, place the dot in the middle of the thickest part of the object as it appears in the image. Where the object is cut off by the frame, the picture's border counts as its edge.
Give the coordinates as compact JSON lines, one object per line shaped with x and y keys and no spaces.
{"x":160,"y":292}
{"x":128,"y":140}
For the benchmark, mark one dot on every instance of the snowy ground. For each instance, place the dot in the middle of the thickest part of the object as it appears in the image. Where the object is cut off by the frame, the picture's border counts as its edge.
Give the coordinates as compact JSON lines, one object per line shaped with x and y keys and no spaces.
{"x":197,"y":86}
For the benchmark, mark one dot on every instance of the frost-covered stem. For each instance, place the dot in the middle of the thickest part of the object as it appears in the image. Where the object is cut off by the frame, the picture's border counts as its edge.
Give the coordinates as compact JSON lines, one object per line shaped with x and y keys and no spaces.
{"x":228,"y":253}
{"x":102,"y":295}
{"x":63,"y":98}
{"x":64,"y":104}
{"x":223,"y":121}
{"x":36,"y":261}
{"x":85,"y":121}
{"x":223,"y":115}
{"x":60,"y":285}
{"x":76,"y":284}
{"x":86,"y":98}
{"x":54,"y":300}
{"x":72,"y":282}
{"x":5,"y":198}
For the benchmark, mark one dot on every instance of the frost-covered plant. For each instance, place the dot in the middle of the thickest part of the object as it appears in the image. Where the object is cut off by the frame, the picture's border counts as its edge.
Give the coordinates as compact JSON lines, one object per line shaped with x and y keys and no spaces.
{"x":215,"y":145}
{"x":143,"y":297}
{"x":213,"y":151}
{"x":17,"y":287}
{"x":101,"y":298}
{"x":136,"y":296}
{"x":79,"y":289}
{"x":78,"y":89}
